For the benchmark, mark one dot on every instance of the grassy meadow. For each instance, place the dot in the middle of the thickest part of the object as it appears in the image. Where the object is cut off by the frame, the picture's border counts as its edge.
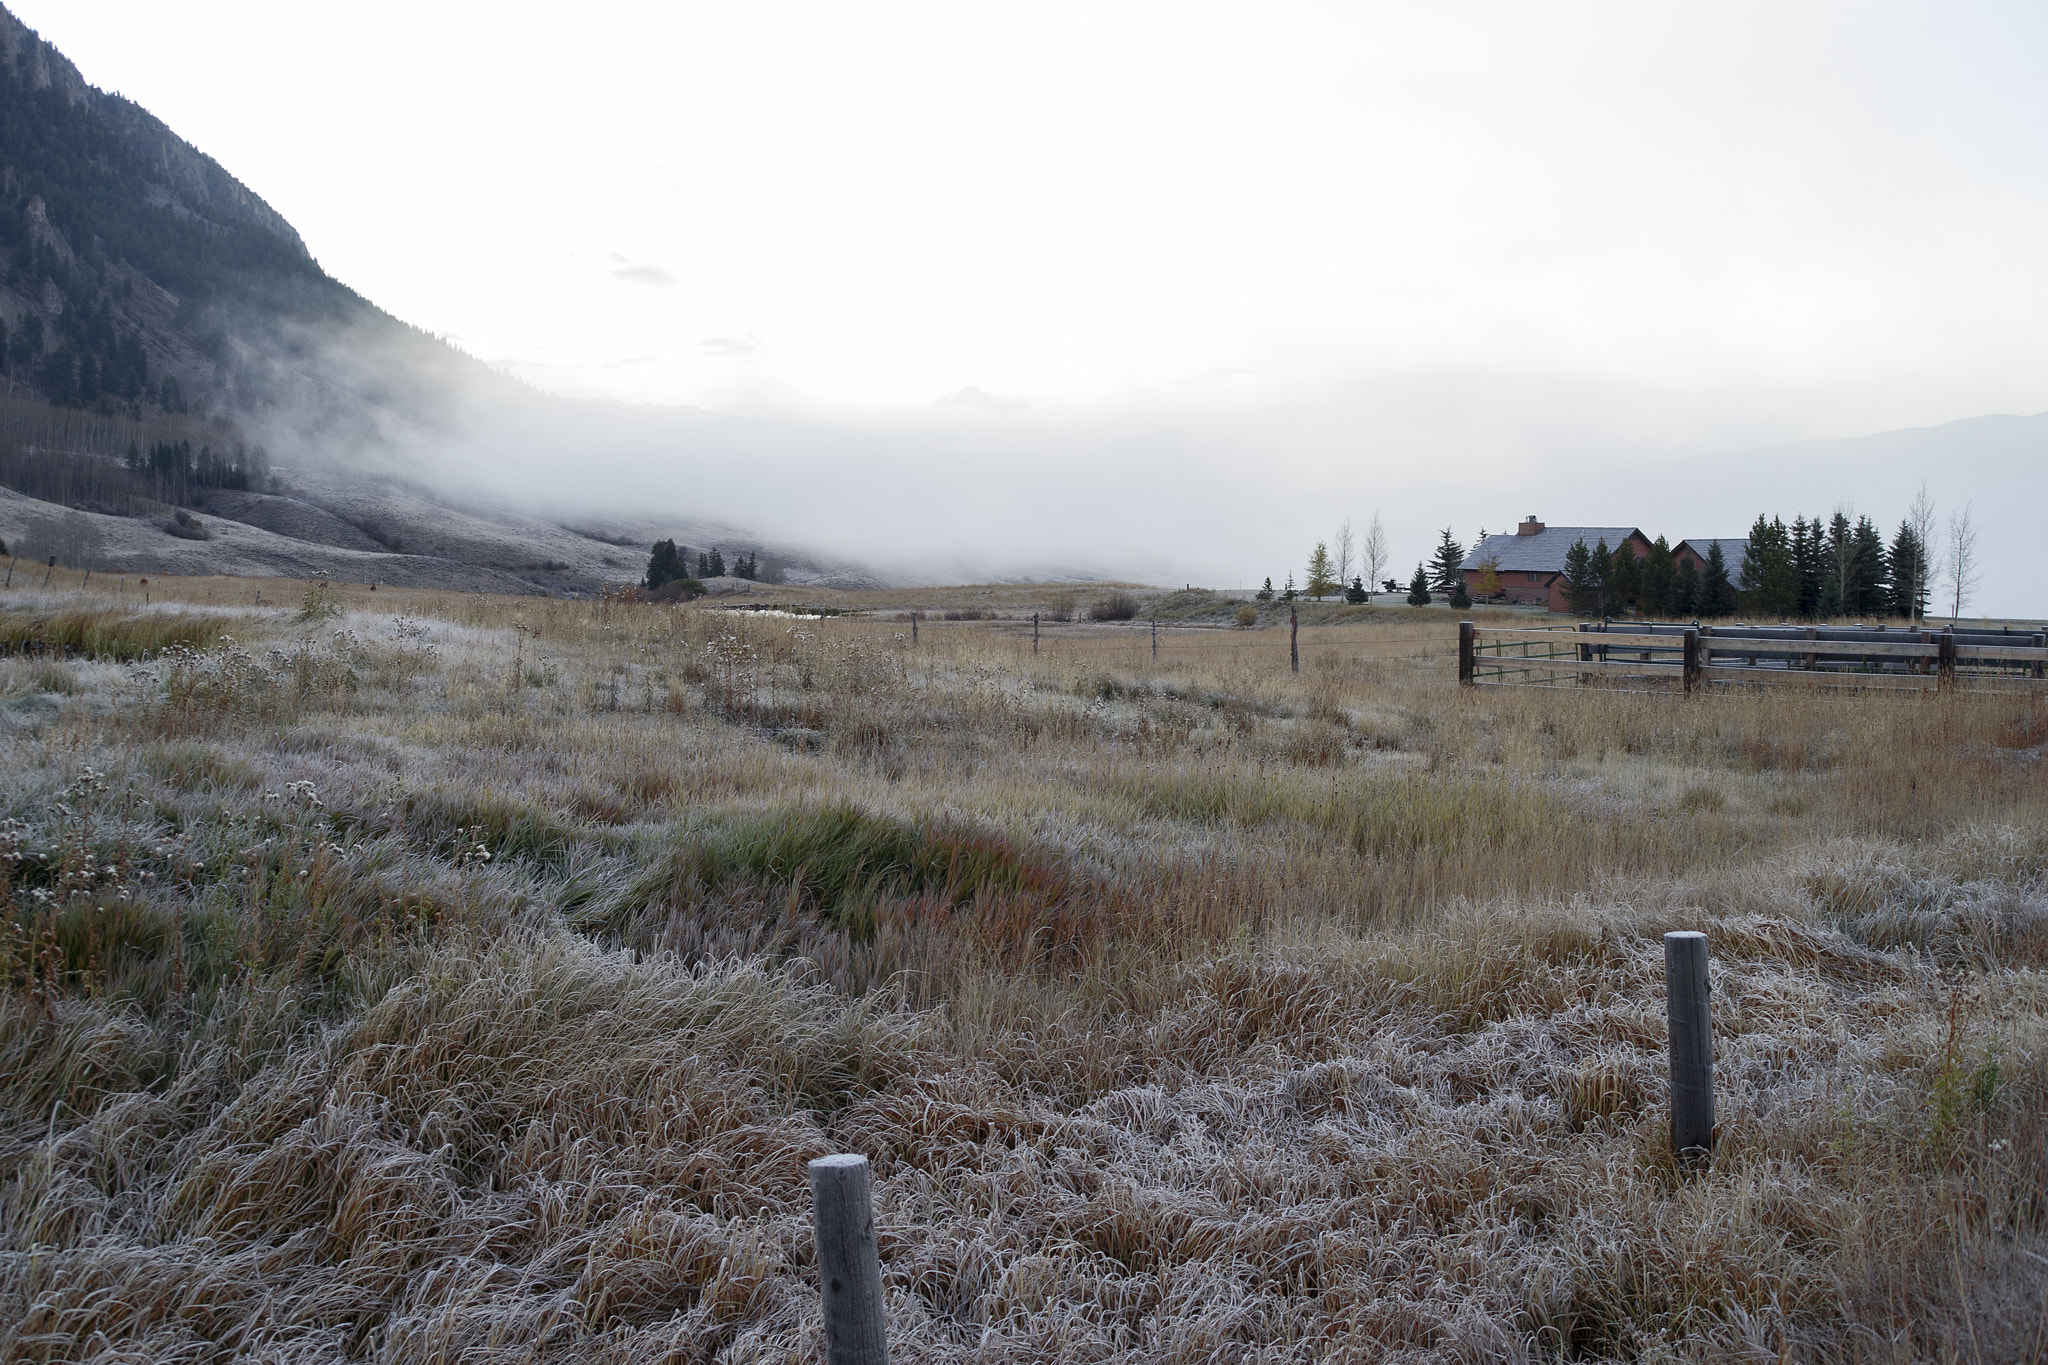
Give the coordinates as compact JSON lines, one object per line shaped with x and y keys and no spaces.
{"x":405,"y":977}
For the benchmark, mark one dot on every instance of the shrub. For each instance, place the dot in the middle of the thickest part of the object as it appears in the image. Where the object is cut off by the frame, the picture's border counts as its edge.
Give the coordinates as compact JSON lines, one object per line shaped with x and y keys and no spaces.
{"x":1118,"y":606}
{"x":185,"y":526}
{"x":1247,"y":615}
{"x":1059,"y":605}
{"x":678,"y":590}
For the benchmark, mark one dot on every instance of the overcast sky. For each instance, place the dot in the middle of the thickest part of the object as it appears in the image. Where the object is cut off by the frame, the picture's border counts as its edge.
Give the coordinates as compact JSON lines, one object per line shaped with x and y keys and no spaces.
{"x":1388,"y":245}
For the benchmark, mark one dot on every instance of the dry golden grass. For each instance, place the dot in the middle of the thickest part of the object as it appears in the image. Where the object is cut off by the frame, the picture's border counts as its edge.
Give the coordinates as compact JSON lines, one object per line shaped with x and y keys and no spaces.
{"x":424,"y":977}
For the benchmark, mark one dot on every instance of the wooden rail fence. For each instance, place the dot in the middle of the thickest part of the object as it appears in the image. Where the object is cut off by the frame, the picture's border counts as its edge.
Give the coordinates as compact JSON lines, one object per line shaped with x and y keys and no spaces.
{"x":1693,"y":657}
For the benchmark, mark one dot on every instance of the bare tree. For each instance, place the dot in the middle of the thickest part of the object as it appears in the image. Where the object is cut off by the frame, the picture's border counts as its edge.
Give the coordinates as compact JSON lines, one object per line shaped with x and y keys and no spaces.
{"x":1920,"y":516}
{"x":1375,"y":553}
{"x":1347,"y":550}
{"x":1959,"y":561}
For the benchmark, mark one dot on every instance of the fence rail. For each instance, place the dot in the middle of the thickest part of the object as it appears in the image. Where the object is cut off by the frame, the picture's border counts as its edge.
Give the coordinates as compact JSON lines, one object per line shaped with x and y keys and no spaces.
{"x":1693,"y":657}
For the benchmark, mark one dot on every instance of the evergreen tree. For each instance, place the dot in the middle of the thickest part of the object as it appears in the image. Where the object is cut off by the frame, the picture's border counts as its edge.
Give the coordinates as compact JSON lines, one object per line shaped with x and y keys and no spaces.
{"x":1265,"y":594}
{"x":1418,"y":588}
{"x":1906,"y":566}
{"x":1809,"y":565}
{"x":1716,"y":597}
{"x":1460,"y":599}
{"x":664,"y":565}
{"x":1356,"y":593}
{"x":1624,"y":580}
{"x":1581,"y":586}
{"x":717,"y":563}
{"x":1653,"y":589}
{"x":1838,"y":589}
{"x":1322,"y":580}
{"x":1682,"y":595}
{"x":1872,"y":595}
{"x":1445,"y":573}
{"x":1770,"y":573}
{"x":1290,"y":592}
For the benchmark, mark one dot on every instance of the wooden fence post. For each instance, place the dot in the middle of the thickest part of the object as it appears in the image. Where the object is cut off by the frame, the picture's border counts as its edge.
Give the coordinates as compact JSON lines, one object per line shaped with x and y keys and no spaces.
{"x":1155,"y":642}
{"x":1034,"y":632}
{"x":1691,"y":665}
{"x":849,"y":1266}
{"x":1465,"y":653}
{"x":913,"y":627}
{"x":50,"y":570}
{"x":1293,"y":640}
{"x":1945,"y":661}
{"x":1689,"y":1008}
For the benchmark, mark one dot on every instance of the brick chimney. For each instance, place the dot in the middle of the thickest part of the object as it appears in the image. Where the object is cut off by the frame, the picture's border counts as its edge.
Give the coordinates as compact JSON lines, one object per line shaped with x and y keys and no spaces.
{"x":1529,"y":527}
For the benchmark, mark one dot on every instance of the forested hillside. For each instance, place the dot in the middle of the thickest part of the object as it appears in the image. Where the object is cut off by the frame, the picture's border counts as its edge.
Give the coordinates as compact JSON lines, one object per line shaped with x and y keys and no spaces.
{"x":138,"y":276}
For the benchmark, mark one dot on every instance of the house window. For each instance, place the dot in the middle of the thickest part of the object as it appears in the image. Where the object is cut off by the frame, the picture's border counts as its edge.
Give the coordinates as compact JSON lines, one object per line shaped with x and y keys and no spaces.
{"x":1534,"y":577}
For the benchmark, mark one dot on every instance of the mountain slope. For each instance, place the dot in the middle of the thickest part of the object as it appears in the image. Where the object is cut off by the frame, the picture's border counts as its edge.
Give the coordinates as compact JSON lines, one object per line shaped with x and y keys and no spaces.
{"x":147,"y":291}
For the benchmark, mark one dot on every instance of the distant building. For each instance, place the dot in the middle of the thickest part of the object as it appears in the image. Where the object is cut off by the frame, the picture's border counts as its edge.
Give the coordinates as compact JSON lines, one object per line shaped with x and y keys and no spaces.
{"x":1695,"y":551}
{"x":1530,"y":562}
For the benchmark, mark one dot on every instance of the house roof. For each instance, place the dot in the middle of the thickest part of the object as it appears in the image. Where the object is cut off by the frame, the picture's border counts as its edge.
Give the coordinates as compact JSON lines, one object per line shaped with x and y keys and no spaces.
{"x":1543,"y":552}
{"x":1732,"y":549}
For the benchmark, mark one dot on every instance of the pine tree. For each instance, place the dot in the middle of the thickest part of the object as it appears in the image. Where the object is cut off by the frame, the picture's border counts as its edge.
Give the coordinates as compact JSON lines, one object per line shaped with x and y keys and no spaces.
{"x":717,"y":563}
{"x":1322,"y":580}
{"x":1906,"y":566}
{"x":1418,"y":588}
{"x":1653,"y":590}
{"x":1716,"y":597}
{"x":1290,"y":592}
{"x":1356,"y":594}
{"x":1872,"y":595}
{"x":1265,"y":594}
{"x":1809,"y":566}
{"x":1581,"y":589}
{"x":1445,"y":564}
{"x":663,"y":565}
{"x":1771,"y":576}
{"x":1838,"y":589}
{"x":1682,"y":595}
{"x":1624,"y":580}
{"x":1460,"y":598}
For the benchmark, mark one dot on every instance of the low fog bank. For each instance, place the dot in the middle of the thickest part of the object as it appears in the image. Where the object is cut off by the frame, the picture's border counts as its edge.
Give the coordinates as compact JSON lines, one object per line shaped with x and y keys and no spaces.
{"x":1223,"y":493}
{"x":1220,"y":485}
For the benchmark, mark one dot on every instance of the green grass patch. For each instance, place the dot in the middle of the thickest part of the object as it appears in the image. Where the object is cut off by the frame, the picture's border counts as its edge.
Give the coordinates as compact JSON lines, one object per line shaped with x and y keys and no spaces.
{"x":103,"y":634}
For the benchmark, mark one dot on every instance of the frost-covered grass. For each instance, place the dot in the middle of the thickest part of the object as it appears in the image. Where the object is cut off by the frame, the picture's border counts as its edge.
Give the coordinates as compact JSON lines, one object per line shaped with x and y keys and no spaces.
{"x":471,"y":978}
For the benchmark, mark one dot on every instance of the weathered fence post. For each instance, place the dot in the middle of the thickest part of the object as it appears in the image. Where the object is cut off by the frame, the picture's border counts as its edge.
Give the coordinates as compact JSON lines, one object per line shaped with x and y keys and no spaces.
{"x":49,"y":570}
{"x":2040,"y":642}
{"x":1465,"y":652}
{"x":1155,"y":642}
{"x":913,"y":627}
{"x":1945,"y":661}
{"x":10,"y":573}
{"x":849,"y":1265}
{"x":1691,"y":665}
{"x":1293,"y":640}
{"x":1034,"y":632}
{"x":1689,"y":1008}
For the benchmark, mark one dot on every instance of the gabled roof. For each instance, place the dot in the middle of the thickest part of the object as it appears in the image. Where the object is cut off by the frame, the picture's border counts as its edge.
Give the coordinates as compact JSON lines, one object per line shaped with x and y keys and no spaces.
{"x":1732,"y":549}
{"x":1543,"y":552}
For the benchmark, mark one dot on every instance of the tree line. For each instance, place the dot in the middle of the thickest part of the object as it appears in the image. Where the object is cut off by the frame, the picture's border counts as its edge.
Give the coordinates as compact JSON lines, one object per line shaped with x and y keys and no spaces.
{"x":670,"y":563}
{"x":1813,"y":568}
